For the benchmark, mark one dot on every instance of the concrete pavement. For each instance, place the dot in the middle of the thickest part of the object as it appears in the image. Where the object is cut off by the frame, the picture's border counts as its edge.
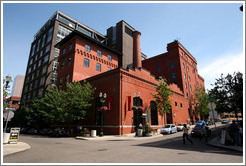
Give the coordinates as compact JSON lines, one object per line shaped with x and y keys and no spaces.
{"x":14,"y":148}
{"x":21,"y":146}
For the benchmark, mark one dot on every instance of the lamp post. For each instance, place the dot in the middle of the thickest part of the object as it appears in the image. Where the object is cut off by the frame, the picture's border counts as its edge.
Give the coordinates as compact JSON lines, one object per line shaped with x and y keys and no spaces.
{"x":102,"y":101}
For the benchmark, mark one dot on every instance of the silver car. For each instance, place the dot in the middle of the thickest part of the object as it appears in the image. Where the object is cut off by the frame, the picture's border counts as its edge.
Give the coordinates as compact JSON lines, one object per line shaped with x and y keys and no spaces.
{"x":169,"y":129}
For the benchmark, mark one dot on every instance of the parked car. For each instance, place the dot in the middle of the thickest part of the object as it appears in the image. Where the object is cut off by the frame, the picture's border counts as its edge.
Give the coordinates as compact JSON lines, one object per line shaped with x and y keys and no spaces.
{"x":224,"y":121}
{"x":181,"y":125}
{"x":200,"y":122}
{"x":197,"y":131}
{"x":209,"y":122}
{"x":45,"y":131}
{"x":169,"y":129}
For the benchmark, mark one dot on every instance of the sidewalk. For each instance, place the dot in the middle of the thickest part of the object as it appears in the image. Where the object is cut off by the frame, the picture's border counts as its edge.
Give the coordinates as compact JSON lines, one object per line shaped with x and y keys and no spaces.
{"x":216,"y":142}
{"x":14,"y":148}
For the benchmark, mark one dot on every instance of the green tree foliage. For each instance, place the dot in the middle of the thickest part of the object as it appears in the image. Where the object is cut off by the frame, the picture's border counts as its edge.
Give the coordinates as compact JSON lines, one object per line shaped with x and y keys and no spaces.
{"x":162,"y":97}
{"x":201,"y":101}
{"x":5,"y":93}
{"x":227,"y":93}
{"x":79,"y":100}
{"x":59,"y":106}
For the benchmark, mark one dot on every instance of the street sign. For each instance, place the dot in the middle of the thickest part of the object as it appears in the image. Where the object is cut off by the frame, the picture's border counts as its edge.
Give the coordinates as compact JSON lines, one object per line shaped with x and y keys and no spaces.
{"x":9,"y":115}
{"x":14,"y":135}
{"x":10,"y":109}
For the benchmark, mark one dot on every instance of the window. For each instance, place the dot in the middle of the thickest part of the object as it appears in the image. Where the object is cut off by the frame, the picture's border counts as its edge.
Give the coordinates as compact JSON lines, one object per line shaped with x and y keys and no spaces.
{"x":99,"y":53}
{"x":64,"y":51}
{"x":44,"y":69}
{"x":57,"y":50}
{"x":98,"y":67}
{"x":62,"y":64}
{"x":182,"y":54}
{"x":49,"y":34}
{"x":108,"y":68}
{"x":181,"y":105}
{"x":185,"y":85}
{"x":40,"y":92}
{"x":173,"y":75}
{"x":69,"y":61}
{"x":34,"y":66}
{"x":190,"y":88}
{"x":47,"y":48}
{"x":29,"y":69}
{"x":109,"y":57}
{"x":67,"y":79}
{"x":41,"y":53}
{"x":183,"y":65}
{"x":62,"y":33}
{"x":70,"y":47}
{"x":60,"y":82}
{"x":187,"y":68}
{"x":189,"y":78}
{"x":38,"y":44}
{"x":46,"y":58}
{"x":184,"y":76}
{"x":172,"y":65}
{"x":30,"y":62}
{"x":176,"y":104}
{"x":158,"y":69}
{"x":187,"y":95}
{"x":33,"y":49}
{"x":66,"y":21}
{"x":87,"y":48}
{"x":186,"y":58}
{"x":42,"y":80}
{"x":43,"y":41}
{"x":86,"y":62}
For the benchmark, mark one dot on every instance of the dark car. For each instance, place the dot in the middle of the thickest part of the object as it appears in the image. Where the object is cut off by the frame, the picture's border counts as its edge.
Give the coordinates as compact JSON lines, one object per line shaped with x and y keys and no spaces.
{"x":197,"y":131}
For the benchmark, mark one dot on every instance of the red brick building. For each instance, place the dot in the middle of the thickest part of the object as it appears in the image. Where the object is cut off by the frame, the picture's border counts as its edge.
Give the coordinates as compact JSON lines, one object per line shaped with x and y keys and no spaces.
{"x":82,"y":57}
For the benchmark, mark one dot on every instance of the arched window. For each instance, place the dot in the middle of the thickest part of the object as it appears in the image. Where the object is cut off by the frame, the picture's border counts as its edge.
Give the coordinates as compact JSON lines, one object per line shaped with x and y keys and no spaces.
{"x":86,"y":62}
{"x":98,"y":67}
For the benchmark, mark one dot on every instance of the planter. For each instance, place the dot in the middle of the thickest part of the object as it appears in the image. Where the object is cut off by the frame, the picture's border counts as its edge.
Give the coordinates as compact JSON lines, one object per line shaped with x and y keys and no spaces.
{"x":6,"y":138}
{"x":93,"y":133}
{"x":86,"y":135}
{"x":149,"y":134}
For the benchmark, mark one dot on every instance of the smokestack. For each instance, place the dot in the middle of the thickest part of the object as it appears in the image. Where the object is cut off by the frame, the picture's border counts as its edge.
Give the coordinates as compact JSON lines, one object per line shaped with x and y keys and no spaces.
{"x":137,"y":60}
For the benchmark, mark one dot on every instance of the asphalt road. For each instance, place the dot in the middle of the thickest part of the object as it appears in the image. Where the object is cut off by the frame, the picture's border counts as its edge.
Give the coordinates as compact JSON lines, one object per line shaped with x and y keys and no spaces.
{"x":160,"y":149}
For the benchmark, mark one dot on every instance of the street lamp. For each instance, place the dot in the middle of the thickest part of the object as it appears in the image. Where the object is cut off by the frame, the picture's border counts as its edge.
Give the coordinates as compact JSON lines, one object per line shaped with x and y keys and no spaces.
{"x":102,"y":102}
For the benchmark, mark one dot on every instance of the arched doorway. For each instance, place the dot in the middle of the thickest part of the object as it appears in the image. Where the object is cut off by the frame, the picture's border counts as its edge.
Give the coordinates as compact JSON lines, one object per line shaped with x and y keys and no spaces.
{"x":154,"y":114}
{"x":137,"y":114}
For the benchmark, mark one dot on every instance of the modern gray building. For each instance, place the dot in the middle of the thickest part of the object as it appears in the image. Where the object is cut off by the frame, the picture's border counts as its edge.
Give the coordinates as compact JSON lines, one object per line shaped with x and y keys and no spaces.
{"x":17,"y":86}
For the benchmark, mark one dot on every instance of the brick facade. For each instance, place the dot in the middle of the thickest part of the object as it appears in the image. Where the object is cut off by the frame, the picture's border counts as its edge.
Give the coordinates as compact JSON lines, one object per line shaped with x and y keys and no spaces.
{"x":122,"y":85}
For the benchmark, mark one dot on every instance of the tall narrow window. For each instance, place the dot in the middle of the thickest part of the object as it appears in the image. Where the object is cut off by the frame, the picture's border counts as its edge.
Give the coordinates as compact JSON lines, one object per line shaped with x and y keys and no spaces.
{"x":67,"y":79}
{"x":69,"y":61}
{"x":184,"y":76}
{"x":173,"y":75}
{"x":64,"y":51}
{"x":172,"y":65}
{"x":158,"y":69}
{"x":87,"y":48}
{"x":109,"y":57}
{"x":98,"y":67}
{"x":99,"y":53}
{"x":86,"y":62}
{"x":70,"y":47}
{"x":62,"y":64}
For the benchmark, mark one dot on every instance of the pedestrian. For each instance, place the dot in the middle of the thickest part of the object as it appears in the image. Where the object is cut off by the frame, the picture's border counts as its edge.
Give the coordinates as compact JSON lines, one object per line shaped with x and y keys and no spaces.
{"x":185,"y":134}
{"x":203,"y":133}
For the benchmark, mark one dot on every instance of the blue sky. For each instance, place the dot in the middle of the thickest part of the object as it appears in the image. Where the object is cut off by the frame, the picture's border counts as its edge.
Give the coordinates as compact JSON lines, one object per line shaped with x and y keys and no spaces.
{"x":211,"y":32}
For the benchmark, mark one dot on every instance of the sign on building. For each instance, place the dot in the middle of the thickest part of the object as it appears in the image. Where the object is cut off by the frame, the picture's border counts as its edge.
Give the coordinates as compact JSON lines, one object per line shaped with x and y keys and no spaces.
{"x":14,"y":135}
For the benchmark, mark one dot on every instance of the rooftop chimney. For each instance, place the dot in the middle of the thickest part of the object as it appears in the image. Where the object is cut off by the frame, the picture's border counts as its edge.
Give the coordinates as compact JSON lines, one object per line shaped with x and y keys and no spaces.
{"x":137,"y":60}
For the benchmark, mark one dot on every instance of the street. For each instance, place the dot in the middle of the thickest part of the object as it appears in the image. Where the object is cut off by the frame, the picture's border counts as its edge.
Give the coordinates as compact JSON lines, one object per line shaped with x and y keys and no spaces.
{"x":158,"y":149}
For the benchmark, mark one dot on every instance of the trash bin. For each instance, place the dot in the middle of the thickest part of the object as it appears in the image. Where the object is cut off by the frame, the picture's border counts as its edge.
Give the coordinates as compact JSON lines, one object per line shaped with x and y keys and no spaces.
{"x":140,"y":132}
{"x":93,"y":133}
{"x":6,"y":138}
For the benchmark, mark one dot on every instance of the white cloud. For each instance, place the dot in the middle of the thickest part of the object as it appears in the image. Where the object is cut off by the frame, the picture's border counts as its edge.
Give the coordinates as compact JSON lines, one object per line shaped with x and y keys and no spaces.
{"x":229,"y":63}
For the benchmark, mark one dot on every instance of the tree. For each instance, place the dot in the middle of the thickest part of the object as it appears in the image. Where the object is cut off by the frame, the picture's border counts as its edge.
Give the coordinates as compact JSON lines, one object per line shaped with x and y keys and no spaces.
{"x":162,"y":97}
{"x":228,"y":93}
{"x":5,"y":93}
{"x":201,"y":101}
{"x":79,"y":99}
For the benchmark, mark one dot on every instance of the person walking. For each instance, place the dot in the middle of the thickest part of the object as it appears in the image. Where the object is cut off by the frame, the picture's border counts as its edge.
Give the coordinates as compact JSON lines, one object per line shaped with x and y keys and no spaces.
{"x":185,"y":134}
{"x":203,"y":133}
